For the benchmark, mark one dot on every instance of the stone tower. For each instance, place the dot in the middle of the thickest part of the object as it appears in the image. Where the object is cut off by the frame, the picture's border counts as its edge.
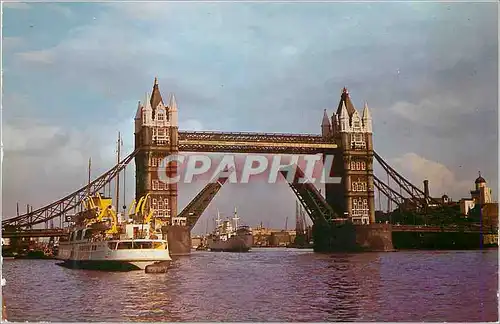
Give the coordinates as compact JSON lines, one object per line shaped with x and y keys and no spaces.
{"x":354,"y":197}
{"x":156,"y":130}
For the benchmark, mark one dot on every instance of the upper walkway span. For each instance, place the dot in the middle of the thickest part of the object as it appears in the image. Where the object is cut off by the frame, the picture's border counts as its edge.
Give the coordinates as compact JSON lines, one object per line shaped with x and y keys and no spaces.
{"x":247,"y":142}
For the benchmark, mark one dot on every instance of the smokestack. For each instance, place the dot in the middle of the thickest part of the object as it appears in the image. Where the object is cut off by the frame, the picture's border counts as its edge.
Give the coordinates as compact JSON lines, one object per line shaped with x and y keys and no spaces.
{"x":426,"y":189}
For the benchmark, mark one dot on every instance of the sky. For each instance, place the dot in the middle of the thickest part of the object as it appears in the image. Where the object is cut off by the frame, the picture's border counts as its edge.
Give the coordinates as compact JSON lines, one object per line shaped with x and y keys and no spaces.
{"x":74,"y":72}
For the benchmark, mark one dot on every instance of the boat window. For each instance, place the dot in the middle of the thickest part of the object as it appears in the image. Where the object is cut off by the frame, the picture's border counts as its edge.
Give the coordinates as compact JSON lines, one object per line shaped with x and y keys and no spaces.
{"x":88,"y":234}
{"x":143,"y":245}
{"x":79,"y":235}
{"x":112,"y":245}
{"x":124,"y":245}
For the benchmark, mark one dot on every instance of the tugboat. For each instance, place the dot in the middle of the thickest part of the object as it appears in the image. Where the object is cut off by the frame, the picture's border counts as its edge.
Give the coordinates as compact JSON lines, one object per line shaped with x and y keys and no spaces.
{"x":226,"y":238}
{"x":101,"y":240}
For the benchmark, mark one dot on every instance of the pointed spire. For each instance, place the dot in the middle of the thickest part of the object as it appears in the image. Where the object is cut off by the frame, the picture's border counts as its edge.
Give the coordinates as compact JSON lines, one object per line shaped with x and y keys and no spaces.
{"x":155,"y":95}
{"x":326,"y":126}
{"x":367,"y":119}
{"x":326,"y":120}
{"x":138,"y":113}
{"x":335,"y":123}
{"x":172,"y":103}
{"x":345,"y":100}
{"x":366,"y":112}
{"x":344,"y":114}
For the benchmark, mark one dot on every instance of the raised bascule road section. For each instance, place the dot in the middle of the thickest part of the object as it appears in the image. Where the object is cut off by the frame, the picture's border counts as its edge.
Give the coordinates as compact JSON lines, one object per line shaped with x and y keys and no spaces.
{"x":343,"y":219}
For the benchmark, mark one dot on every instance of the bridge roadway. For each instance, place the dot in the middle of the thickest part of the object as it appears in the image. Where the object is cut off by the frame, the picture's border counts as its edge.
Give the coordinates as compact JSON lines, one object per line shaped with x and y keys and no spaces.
{"x":53,"y":232}
{"x":246,"y":142}
{"x":58,"y":232}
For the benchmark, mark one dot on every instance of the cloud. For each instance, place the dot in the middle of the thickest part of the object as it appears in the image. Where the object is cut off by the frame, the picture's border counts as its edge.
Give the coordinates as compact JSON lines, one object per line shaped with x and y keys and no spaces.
{"x":62,"y":9}
{"x":191,"y":125}
{"x":16,"y":5}
{"x":442,"y":180}
{"x":11,"y":43}
{"x":439,"y":108}
{"x":42,"y":56}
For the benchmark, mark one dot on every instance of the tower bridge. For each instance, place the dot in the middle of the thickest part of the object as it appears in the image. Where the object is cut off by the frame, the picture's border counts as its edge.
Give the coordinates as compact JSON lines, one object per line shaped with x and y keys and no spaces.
{"x":345,"y":214}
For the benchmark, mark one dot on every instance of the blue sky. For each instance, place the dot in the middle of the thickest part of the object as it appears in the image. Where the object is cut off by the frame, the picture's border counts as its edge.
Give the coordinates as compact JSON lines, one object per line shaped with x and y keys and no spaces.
{"x":73,"y":73}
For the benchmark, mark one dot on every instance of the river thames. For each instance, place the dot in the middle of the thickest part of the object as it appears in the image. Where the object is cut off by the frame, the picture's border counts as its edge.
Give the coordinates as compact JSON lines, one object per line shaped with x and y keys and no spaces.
{"x":264,"y":285}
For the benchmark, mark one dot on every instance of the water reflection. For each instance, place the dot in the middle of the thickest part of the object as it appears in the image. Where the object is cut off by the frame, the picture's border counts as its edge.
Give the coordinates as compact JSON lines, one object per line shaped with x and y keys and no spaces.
{"x":264,"y":285}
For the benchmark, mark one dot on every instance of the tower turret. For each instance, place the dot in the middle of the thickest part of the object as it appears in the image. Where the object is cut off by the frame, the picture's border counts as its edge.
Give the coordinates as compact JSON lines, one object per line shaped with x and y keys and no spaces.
{"x":172,"y":111}
{"x":326,"y":128}
{"x":344,"y":119}
{"x":367,"y":119}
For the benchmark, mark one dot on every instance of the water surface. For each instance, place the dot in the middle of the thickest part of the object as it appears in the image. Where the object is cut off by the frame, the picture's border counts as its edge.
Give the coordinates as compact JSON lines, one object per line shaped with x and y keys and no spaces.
{"x":265,"y":285}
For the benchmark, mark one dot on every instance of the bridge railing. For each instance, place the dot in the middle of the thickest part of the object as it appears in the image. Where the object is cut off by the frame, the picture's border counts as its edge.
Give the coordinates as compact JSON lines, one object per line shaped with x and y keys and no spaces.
{"x":252,"y":136}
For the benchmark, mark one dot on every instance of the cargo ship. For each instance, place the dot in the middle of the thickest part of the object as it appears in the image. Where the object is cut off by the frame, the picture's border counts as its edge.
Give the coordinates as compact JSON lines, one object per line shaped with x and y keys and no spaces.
{"x":229,"y":238}
{"x":103,"y":239}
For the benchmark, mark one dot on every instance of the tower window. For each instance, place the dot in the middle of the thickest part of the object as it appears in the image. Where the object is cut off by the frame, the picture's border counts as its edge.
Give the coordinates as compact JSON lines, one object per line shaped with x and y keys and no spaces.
{"x":160,"y":116}
{"x":358,"y":141}
{"x":155,"y":184}
{"x":359,"y":186}
{"x":360,"y":208}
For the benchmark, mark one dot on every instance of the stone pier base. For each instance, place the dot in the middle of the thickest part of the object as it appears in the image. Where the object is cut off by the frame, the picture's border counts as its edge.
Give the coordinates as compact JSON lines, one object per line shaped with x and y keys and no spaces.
{"x":352,"y":238}
{"x":179,"y":240}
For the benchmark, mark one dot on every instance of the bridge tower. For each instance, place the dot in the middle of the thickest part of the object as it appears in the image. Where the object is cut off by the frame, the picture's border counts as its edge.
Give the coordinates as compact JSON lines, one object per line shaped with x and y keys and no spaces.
{"x":156,"y":137}
{"x":353,"y":161}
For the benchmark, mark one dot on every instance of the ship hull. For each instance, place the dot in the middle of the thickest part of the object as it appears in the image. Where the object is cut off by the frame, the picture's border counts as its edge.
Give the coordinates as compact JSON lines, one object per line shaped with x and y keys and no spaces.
{"x":238,"y":243}
{"x":106,"y":265}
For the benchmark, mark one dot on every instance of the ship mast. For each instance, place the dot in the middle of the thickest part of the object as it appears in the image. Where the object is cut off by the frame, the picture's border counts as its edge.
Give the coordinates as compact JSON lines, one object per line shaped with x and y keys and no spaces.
{"x":118,"y":174}
{"x":218,"y":218}
{"x":88,"y":186}
{"x":235,"y":218}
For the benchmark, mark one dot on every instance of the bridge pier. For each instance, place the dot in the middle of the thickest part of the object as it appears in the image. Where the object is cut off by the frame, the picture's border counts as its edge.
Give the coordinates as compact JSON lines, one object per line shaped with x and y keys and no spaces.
{"x":348,"y":237}
{"x":179,"y":239}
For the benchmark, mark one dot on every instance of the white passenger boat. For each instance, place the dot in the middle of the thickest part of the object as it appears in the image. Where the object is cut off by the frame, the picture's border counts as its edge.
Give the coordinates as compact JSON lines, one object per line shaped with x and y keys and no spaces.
{"x":100,"y":240}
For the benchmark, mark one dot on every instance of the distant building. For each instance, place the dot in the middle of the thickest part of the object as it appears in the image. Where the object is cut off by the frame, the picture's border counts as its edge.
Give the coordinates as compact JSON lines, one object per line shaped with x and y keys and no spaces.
{"x":480,"y":195}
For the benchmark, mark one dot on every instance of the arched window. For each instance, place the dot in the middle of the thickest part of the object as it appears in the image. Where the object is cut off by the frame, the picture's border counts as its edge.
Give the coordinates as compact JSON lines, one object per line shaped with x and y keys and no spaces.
{"x":161,"y":185}
{"x":155,"y":184}
{"x":354,"y":186}
{"x":358,"y":166}
{"x":154,"y":203}
{"x":363,"y":165}
{"x":353,"y":165}
{"x":365,"y":204}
